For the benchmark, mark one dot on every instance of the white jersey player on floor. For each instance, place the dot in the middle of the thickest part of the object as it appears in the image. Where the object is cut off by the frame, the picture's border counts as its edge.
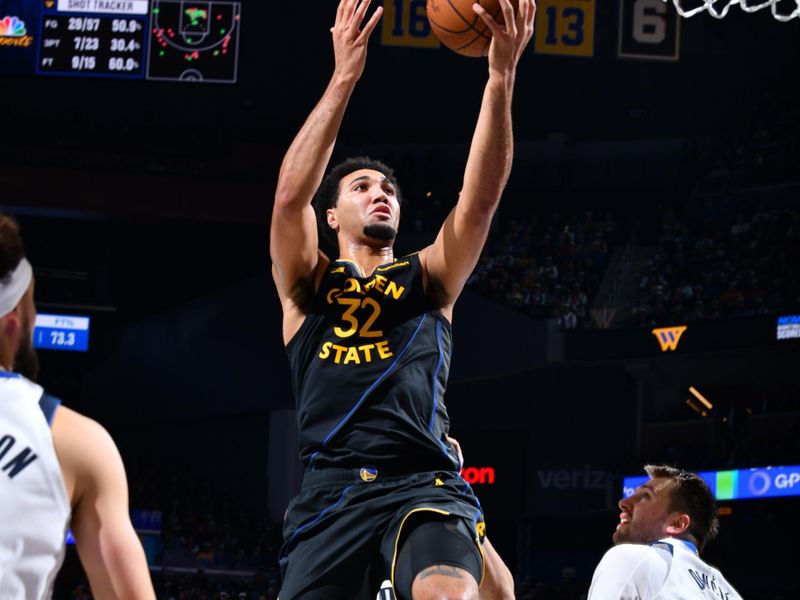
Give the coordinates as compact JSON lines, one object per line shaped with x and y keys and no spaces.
{"x":663,"y":527}
{"x":58,"y":469}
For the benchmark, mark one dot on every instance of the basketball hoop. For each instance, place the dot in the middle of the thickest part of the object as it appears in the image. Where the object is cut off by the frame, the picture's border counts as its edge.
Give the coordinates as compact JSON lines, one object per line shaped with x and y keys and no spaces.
{"x":749,"y":6}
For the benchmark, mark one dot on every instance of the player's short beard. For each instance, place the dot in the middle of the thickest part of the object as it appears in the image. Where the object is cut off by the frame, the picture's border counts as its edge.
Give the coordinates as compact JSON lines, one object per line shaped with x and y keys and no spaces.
{"x":619,"y":538}
{"x":380,"y":231}
{"x":26,"y":361}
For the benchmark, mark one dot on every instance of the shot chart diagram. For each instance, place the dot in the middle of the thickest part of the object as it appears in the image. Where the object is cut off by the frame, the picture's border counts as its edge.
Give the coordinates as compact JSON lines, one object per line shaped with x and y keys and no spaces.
{"x":194,"y":41}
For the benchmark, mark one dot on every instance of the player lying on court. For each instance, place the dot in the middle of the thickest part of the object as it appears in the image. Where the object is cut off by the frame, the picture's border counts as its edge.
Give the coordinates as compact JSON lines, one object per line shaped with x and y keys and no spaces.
{"x":368,"y":337}
{"x":663,"y":528}
{"x":57,"y":468}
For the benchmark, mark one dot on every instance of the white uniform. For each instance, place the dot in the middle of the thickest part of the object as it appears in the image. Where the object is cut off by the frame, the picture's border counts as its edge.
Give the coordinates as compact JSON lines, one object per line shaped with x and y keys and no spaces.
{"x":34,"y":510}
{"x":668,"y":569}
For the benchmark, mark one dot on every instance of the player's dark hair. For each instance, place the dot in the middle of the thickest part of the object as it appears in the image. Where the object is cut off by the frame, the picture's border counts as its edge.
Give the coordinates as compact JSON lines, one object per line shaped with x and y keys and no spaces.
{"x":12,"y":251}
{"x":691,"y":495}
{"x":328,"y":193}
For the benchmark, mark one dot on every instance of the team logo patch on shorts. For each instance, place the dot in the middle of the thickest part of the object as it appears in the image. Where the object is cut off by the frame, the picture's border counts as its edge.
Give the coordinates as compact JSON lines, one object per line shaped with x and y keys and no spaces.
{"x":481,"y":528}
{"x":369,"y":473}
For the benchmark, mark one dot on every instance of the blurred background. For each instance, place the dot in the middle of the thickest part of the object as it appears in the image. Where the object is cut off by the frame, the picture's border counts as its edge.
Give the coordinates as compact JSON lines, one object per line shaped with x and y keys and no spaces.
{"x":637,"y":300}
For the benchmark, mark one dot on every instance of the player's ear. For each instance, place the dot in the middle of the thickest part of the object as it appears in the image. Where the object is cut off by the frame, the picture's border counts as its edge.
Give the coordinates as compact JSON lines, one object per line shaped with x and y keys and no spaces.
{"x":10,"y":323}
{"x":330,"y":216}
{"x":678,"y":524}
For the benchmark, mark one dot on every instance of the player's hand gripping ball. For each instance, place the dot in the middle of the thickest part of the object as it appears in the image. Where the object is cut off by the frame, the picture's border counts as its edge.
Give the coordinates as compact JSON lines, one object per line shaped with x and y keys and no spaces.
{"x":460,"y":29}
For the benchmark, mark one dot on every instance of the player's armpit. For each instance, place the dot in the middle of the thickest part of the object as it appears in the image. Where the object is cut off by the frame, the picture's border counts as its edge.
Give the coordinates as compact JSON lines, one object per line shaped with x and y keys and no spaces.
{"x":450,"y":260}
{"x":293,"y":248}
{"x":107,"y":544}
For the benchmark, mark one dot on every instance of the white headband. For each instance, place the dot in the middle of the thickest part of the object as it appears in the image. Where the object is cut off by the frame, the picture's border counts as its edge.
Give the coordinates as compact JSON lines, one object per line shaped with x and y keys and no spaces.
{"x":14,"y":286}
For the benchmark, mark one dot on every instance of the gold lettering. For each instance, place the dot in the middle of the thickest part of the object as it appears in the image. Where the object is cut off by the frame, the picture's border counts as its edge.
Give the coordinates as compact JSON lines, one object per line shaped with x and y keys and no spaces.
{"x":380,"y":283}
{"x":326,"y":350}
{"x":355,"y":354}
{"x":367,"y":350}
{"x":20,"y":42}
{"x":352,"y":356}
{"x":394,"y":291}
{"x":339,"y":350}
{"x":383,"y":349}
{"x":333,"y":294}
{"x":394,"y":266}
{"x":352,"y":285}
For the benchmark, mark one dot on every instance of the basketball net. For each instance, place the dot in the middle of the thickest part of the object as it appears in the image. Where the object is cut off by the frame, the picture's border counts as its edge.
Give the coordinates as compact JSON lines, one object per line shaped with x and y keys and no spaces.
{"x":719,"y":8}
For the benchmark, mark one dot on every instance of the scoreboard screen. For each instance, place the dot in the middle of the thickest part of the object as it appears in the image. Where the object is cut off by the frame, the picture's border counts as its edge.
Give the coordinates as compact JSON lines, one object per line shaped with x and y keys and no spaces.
{"x":61,"y":332}
{"x":173,"y":40}
{"x":741,"y":484}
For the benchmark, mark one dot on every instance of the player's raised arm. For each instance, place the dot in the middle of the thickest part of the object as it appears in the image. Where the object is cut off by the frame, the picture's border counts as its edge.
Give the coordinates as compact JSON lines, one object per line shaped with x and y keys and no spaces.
{"x":107,"y":544}
{"x":452,"y":257}
{"x":293,"y":233}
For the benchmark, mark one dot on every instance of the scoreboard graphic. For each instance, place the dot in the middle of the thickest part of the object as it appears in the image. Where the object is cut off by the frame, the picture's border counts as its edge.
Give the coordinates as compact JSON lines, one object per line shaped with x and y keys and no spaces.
{"x":175,"y":40}
{"x":61,"y":332}
{"x":740,"y":484}
{"x":194,"y":41}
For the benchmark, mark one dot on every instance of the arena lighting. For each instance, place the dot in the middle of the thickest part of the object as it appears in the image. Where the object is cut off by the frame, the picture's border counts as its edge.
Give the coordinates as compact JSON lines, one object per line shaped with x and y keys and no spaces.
{"x":690,"y":402}
{"x":700,"y":397}
{"x":741,"y":484}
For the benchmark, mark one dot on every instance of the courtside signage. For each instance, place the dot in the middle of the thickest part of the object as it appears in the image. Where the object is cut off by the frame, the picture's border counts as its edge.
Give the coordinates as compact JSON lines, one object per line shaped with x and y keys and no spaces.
{"x":478,"y":475}
{"x":669,"y":337}
{"x":740,"y":484}
{"x":61,"y":332}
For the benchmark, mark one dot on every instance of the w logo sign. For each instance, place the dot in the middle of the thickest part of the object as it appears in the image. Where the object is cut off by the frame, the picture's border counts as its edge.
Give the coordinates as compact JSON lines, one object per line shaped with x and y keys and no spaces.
{"x":668,"y":337}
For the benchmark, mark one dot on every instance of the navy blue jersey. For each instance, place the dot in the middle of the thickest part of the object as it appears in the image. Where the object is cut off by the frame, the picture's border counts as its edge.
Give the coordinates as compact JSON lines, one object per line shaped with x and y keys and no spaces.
{"x":369,"y":369}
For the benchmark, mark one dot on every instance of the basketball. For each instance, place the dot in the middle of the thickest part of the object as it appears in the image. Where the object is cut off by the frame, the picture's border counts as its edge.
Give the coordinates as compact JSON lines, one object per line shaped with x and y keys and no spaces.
{"x":459,"y":28}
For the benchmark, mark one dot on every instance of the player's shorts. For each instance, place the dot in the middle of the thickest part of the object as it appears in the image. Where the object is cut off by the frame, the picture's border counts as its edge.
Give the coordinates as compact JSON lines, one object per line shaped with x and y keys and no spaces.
{"x":341,"y":531}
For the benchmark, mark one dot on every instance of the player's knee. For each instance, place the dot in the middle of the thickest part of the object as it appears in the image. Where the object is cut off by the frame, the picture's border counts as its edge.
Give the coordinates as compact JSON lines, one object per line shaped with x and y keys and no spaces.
{"x":444,"y":583}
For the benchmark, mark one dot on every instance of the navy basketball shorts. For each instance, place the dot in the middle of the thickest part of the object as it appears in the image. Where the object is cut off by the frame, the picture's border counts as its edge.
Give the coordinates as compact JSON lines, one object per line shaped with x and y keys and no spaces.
{"x":341,"y":531}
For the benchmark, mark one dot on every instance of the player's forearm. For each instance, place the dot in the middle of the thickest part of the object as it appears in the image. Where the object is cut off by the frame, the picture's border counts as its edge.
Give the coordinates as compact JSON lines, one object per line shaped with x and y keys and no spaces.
{"x":304,"y":164}
{"x":492,"y":149}
{"x":114,"y":561}
{"x":498,"y":582}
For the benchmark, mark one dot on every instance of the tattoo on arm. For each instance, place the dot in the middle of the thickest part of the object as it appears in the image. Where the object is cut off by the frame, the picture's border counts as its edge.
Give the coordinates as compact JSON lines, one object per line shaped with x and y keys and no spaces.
{"x":445,"y":570}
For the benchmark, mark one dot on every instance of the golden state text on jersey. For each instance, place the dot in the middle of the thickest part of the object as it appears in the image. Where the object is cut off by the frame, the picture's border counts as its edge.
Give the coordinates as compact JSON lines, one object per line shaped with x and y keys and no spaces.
{"x":369,"y":368}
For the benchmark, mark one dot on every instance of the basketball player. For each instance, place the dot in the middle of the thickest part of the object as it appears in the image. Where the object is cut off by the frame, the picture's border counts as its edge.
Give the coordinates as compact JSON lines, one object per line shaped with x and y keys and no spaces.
{"x":368,"y":337}
{"x":57,"y":468}
{"x":662,"y":530}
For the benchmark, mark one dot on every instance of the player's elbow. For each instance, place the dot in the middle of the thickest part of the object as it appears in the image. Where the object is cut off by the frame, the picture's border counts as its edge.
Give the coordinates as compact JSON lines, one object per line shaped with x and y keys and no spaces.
{"x":287,"y":198}
{"x":480,"y":210}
